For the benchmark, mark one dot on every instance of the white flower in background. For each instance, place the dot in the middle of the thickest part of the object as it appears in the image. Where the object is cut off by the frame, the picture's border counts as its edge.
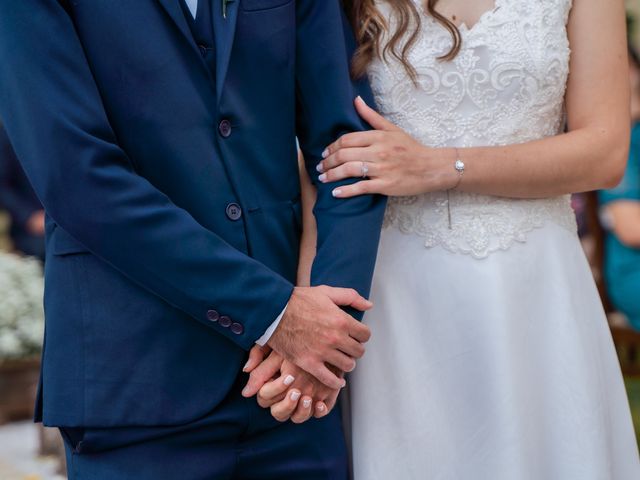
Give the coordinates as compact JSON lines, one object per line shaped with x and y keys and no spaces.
{"x":21,"y":311}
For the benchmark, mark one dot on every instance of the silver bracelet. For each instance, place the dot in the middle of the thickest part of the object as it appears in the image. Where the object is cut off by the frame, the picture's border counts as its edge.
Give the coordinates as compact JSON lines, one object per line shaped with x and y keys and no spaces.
{"x":459,"y":166}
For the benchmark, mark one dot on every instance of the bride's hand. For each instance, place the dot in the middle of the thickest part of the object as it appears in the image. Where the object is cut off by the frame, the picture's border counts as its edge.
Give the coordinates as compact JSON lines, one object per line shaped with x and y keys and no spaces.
{"x":296,"y":395}
{"x":288,"y":391}
{"x":392,"y":161}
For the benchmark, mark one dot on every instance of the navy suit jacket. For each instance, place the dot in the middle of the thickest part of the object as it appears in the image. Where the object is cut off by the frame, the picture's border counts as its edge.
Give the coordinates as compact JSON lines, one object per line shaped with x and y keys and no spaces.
{"x":156,"y":286}
{"x":19,"y":199}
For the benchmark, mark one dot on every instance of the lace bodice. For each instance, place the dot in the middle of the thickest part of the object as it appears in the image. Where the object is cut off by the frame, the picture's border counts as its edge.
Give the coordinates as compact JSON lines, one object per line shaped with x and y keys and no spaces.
{"x":506,"y":86}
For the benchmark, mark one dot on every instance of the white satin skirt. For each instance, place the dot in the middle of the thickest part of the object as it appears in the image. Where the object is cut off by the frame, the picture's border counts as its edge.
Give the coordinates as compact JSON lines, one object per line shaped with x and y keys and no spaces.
{"x":494,"y":369}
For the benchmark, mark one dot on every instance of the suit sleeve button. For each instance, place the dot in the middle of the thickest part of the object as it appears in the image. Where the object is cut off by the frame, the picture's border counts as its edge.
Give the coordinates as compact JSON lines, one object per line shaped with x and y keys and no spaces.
{"x":225,"y":321}
{"x":213,"y":316}
{"x":237,"y":328}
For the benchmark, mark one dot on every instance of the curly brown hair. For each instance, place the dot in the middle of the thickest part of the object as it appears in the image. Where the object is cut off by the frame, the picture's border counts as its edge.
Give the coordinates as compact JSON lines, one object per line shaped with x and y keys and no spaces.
{"x":369,"y":25}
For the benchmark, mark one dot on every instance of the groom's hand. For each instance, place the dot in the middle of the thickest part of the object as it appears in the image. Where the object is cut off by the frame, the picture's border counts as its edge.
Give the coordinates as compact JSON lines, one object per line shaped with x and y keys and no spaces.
{"x":315,"y":333}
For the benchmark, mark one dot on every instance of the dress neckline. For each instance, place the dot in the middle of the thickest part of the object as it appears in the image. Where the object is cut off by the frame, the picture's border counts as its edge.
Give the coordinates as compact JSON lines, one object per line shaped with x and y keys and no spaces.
{"x":463,"y":27}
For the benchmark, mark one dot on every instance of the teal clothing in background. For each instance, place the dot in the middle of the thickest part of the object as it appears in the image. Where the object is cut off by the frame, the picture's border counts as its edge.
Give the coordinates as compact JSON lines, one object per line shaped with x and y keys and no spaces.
{"x":622,"y":263}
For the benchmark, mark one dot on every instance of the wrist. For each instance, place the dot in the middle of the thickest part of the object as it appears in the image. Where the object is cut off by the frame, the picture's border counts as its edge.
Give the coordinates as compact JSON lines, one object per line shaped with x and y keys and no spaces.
{"x":459,"y":167}
{"x":445,"y":164}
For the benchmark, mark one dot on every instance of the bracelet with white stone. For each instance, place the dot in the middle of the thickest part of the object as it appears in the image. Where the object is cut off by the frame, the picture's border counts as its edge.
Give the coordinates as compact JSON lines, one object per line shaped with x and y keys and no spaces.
{"x":459,"y":166}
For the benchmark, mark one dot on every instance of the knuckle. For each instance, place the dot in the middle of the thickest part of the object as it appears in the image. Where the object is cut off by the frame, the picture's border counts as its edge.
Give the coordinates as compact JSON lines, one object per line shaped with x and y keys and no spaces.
{"x":383,"y":155}
{"x":359,"y":351}
{"x":333,"y":339}
{"x":279,"y":414}
{"x":340,"y":322}
{"x":309,"y":362}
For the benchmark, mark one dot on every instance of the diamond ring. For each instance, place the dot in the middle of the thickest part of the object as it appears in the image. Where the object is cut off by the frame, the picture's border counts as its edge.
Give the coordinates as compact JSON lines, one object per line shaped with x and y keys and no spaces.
{"x":364,"y":169}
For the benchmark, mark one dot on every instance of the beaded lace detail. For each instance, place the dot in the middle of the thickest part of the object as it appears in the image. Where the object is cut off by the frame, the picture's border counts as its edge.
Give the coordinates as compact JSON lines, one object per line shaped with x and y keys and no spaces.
{"x":506,"y":86}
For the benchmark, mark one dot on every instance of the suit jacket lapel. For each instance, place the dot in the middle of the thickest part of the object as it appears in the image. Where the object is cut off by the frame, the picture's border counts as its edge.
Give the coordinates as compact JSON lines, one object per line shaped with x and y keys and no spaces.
{"x":175,"y":12}
{"x":224,"y":30}
{"x":173,"y":9}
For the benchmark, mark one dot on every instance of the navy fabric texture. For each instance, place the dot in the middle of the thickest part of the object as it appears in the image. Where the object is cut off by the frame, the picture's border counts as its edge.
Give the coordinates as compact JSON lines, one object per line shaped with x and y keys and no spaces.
{"x":238,"y":440}
{"x":172,"y":192}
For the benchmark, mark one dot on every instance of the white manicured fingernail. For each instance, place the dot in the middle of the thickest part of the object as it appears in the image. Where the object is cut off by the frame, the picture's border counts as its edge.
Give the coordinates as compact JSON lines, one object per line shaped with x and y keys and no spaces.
{"x":245,"y":391}
{"x":320,"y":407}
{"x":289,"y":380}
{"x":337,"y":192}
{"x":323,"y":177}
{"x":344,"y":383}
{"x":325,"y":153}
{"x":295,"y":396}
{"x":319,"y":168}
{"x":246,"y":365}
{"x":306,"y":403}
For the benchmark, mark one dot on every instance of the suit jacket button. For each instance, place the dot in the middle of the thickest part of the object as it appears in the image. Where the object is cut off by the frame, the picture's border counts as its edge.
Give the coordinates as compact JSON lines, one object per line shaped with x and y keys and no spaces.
{"x":225,"y":128}
{"x":237,"y":328}
{"x":213,"y":316}
{"x":234,"y":211}
{"x":225,"y":321}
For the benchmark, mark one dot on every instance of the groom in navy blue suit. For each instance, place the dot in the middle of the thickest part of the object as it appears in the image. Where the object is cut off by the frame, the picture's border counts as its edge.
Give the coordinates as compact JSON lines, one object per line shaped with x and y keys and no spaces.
{"x":160,"y":137}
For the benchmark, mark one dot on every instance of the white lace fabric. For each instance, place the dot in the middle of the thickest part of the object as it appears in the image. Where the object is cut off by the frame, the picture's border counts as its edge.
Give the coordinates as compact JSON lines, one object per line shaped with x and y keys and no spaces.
{"x":506,"y":86}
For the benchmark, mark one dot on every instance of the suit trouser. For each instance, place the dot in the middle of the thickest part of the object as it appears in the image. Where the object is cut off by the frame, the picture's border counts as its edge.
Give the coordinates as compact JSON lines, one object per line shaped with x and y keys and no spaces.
{"x":238,"y":440}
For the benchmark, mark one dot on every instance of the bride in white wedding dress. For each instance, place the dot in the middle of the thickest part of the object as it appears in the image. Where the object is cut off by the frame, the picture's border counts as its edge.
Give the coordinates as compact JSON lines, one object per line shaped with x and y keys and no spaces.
{"x":490,"y":355}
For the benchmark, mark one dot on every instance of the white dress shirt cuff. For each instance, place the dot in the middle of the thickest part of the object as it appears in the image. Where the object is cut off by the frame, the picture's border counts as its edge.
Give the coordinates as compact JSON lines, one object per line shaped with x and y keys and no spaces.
{"x":262,"y":341}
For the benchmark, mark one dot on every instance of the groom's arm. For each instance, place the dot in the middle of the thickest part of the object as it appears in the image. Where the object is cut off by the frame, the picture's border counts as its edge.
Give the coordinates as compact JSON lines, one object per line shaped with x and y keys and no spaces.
{"x":57,"y":123}
{"x":348,"y":230}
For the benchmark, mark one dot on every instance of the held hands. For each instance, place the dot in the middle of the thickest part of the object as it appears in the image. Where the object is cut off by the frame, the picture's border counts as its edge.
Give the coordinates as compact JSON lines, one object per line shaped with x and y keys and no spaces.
{"x":288,"y":391}
{"x":314,"y":344}
{"x":315,"y":334}
{"x":391,"y":160}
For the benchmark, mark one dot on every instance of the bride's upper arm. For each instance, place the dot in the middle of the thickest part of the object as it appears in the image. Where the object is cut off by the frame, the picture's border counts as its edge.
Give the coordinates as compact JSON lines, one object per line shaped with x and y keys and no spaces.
{"x":598,"y":88}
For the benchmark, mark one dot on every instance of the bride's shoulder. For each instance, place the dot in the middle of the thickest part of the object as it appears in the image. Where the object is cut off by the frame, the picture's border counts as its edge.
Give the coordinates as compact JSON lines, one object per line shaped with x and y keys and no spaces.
{"x":548,"y":9}
{"x":562,"y":7}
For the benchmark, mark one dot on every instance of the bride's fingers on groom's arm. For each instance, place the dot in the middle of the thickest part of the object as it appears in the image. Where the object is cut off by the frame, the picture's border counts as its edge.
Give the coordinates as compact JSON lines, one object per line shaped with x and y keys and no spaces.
{"x":372,"y":117}
{"x":364,"y":187}
{"x":262,"y":374}
{"x":346,"y":155}
{"x":283,"y":410}
{"x":353,"y":169}
{"x":351,"y":140}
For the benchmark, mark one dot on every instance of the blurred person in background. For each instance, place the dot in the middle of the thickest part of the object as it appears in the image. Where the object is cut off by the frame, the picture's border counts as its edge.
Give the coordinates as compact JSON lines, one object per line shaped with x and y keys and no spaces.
{"x":19,"y":199}
{"x":621,"y":218}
